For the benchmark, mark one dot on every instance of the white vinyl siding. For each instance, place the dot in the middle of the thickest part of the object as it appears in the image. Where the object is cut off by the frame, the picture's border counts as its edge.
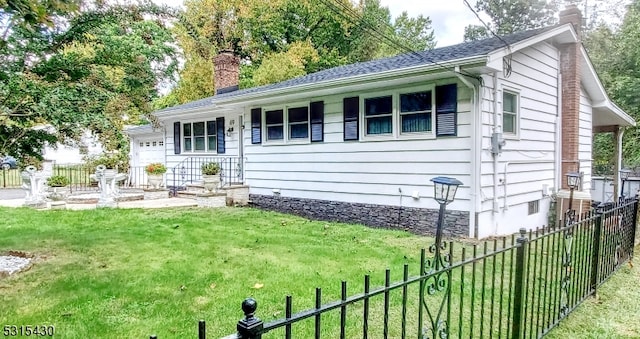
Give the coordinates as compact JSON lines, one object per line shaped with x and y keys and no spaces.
{"x":527,"y":162}
{"x":386,"y":171}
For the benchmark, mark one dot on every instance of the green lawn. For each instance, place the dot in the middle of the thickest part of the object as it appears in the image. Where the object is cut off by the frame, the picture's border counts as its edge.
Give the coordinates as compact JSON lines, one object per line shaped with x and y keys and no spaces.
{"x":613,"y":314}
{"x":132,"y":273}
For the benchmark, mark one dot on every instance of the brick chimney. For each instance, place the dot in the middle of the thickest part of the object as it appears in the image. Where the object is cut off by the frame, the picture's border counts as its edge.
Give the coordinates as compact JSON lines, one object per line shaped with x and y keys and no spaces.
{"x":570,"y":70}
{"x":226,"y":72}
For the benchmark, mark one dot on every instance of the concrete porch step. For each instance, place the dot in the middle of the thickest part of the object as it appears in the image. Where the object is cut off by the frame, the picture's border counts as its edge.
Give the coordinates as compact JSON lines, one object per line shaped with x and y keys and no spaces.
{"x":195,"y":187}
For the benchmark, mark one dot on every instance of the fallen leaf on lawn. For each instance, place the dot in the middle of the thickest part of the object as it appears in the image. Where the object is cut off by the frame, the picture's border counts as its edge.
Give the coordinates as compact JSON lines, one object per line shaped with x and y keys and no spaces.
{"x":212,"y":286}
{"x":258,"y":285}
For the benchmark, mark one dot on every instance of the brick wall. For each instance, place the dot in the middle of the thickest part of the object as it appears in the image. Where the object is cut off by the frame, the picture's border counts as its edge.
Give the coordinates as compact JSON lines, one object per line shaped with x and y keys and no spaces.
{"x":570,"y":70}
{"x":226,"y":71}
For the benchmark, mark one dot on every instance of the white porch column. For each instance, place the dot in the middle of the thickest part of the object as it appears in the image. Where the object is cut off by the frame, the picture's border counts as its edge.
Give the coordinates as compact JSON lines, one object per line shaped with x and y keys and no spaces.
{"x":617,"y":135}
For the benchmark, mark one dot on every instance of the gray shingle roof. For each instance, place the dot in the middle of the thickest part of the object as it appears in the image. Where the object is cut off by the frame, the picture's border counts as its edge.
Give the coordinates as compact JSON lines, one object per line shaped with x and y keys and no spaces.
{"x":438,"y":55}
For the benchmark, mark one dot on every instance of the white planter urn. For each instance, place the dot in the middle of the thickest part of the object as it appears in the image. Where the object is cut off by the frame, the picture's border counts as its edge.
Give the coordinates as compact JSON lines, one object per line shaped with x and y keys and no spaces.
{"x":211,"y":182}
{"x":154,"y":180}
{"x":59,"y":193}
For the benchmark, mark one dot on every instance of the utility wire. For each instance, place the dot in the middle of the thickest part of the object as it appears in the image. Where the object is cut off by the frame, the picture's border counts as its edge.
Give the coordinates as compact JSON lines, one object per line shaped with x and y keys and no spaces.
{"x":506,"y":61}
{"x":486,"y":25}
{"x":348,"y":13}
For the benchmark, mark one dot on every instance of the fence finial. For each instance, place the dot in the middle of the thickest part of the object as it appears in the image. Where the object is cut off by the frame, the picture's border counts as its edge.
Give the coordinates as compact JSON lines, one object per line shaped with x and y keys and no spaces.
{"x":251,"y":326}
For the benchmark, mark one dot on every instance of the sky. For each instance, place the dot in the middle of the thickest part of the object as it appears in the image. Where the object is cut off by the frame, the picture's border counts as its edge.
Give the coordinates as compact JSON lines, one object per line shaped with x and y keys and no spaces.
{"x":449,"y":18}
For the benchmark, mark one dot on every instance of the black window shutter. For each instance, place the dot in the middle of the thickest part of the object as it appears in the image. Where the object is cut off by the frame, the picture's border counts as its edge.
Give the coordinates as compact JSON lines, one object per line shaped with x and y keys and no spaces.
{"x":220,"y":135}
{"x":447,"y":110}
{"x":317,"y":121}
{"x":351,"y":109}
{"x":256,"y":126}
{"x":176,"y":137}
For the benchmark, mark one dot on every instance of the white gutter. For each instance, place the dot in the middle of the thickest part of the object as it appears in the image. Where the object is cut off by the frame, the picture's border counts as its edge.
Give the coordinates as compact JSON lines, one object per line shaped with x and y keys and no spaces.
{"x":496,"y":129}
{"x":476,"y":137}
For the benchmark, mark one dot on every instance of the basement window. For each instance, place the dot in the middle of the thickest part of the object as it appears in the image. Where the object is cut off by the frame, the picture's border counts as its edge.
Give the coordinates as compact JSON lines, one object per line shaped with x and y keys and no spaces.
{"x":534,"y":207}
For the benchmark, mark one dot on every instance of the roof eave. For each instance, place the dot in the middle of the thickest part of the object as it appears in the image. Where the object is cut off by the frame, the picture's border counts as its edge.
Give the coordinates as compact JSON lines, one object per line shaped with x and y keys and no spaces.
{"x":312,"y":88}
{"x":561,"y":34}
{"x":374,"y":77}
{"x":138,"y":130}
{"x":594,"y":88}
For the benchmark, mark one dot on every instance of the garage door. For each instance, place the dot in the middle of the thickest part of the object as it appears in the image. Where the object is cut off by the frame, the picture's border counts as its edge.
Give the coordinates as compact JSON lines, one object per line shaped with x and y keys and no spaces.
{"x":150,"y":150}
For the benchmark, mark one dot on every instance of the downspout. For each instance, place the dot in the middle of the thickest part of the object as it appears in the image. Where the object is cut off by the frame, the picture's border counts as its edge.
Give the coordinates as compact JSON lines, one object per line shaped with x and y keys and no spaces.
{"x":558,"y":164}
{"x":496,"y":129}
{"x":476,"y":136}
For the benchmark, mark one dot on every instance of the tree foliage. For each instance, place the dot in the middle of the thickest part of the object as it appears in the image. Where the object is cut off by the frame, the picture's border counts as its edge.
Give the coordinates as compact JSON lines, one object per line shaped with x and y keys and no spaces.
{"x":64,"y":70}
{"x":508,"y":16}
{"x":615,"y":55}
{"x":280,"y":39}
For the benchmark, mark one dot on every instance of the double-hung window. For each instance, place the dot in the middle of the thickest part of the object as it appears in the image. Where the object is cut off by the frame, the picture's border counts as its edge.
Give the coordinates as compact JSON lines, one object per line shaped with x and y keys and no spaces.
{"x":293,"y":123}
{"x":378,"y":115}
{"x":415,"y":112}
{"x":298,"y":123}
{"x":274,"y":122}
{"x":509,"y":113}
{"x":199,"y":136}
{"x":290,"y":124}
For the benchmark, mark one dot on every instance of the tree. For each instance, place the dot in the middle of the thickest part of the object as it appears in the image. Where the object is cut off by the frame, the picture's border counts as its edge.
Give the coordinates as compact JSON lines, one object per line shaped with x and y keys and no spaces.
{"x":78,"y":70}
{"x":280,"y":39}
{"x":614,"y":52}
{"x":508,"y":16}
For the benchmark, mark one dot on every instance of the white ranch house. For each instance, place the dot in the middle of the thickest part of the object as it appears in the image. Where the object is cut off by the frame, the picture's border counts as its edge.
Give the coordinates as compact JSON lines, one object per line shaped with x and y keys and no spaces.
{"x":508,"y":117}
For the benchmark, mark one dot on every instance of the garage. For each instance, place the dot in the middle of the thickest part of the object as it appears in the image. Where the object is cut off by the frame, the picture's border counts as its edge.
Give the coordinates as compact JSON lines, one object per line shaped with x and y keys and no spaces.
{"x":146,"y":146}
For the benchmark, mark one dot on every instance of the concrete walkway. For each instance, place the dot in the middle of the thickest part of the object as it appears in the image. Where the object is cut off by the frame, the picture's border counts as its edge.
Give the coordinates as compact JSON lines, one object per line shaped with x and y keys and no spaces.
{"x":9,"y":200}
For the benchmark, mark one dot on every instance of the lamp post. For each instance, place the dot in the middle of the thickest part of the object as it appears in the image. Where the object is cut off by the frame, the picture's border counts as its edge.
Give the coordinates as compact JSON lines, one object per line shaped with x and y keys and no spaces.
{"x":444,"y":192}
{"x":624,"y":175}
{"x":573,"y":181}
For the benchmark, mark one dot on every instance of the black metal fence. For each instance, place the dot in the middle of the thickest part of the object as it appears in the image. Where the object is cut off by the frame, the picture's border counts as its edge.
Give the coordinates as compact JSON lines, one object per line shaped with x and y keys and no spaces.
{"x":515,"y":287}
{"x":79,"y":176}
{"x":189,"y":171}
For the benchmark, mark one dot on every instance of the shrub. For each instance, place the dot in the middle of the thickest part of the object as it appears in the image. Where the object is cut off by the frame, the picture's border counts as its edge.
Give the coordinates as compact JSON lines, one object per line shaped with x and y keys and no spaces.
{"x":156,"y":168}
{"x":58,"y":181}
{"x":210,"y":168}
{"x":114,"y":160}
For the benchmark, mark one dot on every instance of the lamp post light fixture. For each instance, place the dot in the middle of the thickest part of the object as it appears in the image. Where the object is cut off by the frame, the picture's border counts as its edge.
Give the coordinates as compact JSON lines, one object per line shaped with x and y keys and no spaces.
{"x":624,"y":175}
{"x":434,"y":269}
{"x":573,"y":181}
{"x":444,"y":192}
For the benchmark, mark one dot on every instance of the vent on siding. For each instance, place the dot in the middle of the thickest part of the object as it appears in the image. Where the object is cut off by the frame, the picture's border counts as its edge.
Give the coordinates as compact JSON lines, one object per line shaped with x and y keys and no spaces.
{"x":534,"y":207}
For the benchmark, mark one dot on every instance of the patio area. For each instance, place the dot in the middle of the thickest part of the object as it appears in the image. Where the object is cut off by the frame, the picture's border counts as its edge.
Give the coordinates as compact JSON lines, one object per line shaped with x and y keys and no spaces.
{"x":84,"y":200}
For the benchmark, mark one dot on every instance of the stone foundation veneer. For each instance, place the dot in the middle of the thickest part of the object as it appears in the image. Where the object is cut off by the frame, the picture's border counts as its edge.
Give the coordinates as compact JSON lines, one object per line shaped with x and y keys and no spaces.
{"x":420,"y":221}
